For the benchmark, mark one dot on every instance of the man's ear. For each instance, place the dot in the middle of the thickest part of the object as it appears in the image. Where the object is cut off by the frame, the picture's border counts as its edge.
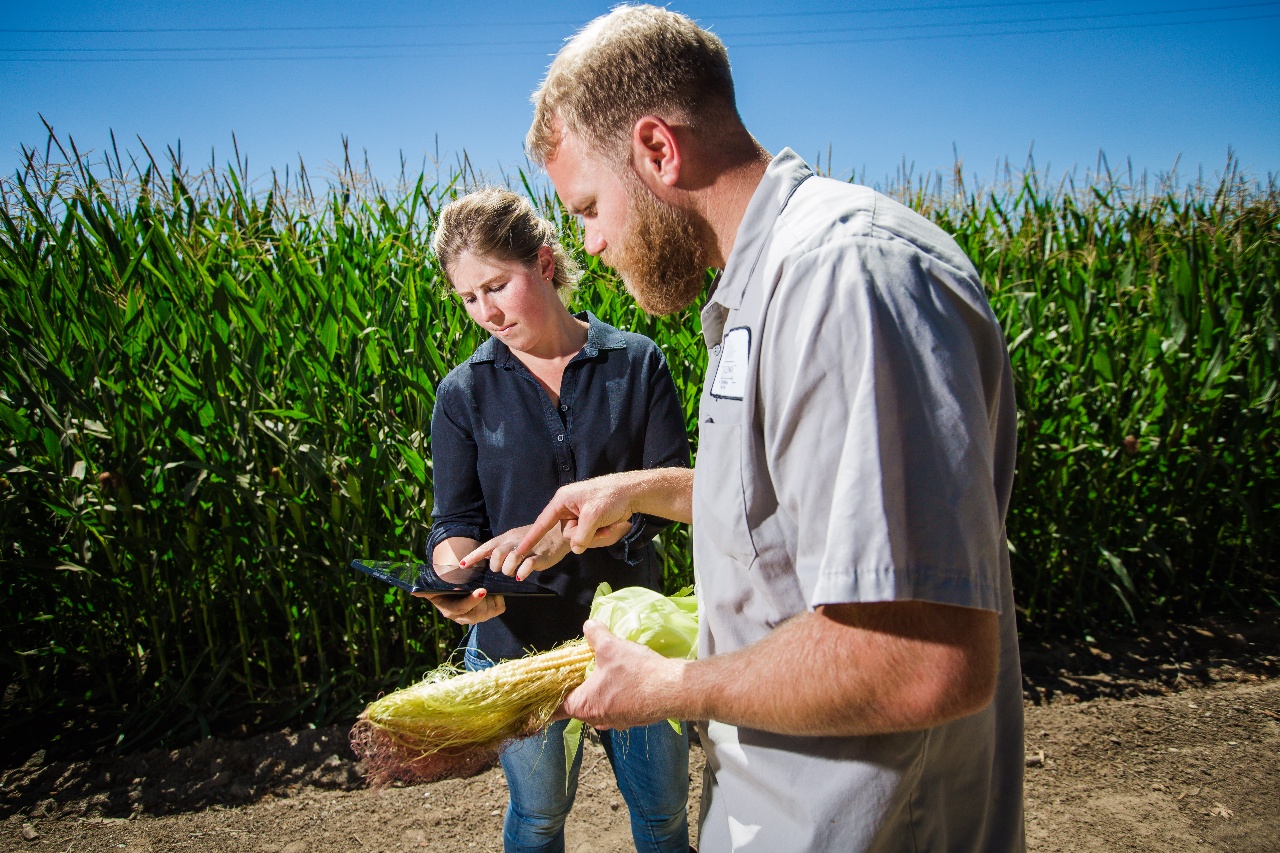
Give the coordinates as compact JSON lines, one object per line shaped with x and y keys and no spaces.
{"x":655,"y":152}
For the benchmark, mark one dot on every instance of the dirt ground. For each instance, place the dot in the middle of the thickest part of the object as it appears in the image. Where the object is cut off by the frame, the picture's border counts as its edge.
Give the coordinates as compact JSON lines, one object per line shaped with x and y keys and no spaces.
{"x":1168,"y":741}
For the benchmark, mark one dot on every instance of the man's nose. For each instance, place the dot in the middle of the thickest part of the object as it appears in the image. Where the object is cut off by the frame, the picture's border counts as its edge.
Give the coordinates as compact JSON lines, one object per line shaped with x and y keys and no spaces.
{"x":592,"y":240}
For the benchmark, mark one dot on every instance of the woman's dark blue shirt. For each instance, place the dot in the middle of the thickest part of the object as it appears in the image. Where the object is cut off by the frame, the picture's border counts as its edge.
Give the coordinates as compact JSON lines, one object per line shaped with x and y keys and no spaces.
{"x":500,"y":449}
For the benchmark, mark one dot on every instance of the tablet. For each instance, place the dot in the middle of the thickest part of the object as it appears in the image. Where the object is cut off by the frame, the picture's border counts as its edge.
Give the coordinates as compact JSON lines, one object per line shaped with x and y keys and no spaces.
{"x":454,"y":580}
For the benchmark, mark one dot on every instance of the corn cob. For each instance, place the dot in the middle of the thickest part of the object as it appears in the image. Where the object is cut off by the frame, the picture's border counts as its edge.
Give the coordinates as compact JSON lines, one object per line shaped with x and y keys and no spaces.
{"x":455,"y":724}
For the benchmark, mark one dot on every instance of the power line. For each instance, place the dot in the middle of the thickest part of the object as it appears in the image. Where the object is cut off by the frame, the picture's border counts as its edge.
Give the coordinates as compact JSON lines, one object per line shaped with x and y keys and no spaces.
{"x":897,"y":9}
{"x":1012,"y":21}
{"x":773,"y":33}
{"x":545,"y":53}
{"x":1081,"y":29}
{"x":266,"y":47}
{"x":491,"y":24}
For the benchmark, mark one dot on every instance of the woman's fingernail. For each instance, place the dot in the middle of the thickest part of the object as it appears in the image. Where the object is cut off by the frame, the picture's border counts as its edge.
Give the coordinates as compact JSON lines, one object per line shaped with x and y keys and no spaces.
{"x":462,"y":562}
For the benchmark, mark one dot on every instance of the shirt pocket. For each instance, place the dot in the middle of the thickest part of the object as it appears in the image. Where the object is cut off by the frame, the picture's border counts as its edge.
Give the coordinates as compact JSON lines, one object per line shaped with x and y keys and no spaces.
{"x":719,"y":496}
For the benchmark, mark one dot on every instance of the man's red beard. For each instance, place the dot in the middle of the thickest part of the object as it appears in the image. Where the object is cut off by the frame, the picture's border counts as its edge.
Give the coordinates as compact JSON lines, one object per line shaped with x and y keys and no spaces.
{"x":661,"y":257}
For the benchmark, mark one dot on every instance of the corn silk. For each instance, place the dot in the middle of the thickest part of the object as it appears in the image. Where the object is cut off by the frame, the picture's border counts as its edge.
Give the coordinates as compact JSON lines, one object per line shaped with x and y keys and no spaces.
{"x":455,"y":723}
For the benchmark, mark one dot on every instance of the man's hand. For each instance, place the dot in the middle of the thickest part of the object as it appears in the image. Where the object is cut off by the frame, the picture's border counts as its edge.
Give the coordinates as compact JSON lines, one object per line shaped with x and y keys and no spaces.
{"x":628,"y":687}
{"x":505,"y":556}
{"x":586,"y":508}
{"x":471,"y":609}
{"x":580,"y":510}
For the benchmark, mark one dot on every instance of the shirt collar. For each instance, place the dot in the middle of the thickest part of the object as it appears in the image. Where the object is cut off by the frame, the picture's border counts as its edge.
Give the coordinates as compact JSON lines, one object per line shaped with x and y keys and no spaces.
{"x":785,"y":173}
{"x":600,"y":336}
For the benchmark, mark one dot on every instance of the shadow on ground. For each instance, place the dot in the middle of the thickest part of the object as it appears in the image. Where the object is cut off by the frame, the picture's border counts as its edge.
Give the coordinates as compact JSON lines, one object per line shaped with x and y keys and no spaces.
{"x":1158,"y":660}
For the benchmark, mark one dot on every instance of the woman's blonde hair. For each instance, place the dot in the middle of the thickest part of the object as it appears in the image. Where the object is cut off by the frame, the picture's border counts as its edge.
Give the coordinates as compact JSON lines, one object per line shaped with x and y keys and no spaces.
{"x":496,"y":223}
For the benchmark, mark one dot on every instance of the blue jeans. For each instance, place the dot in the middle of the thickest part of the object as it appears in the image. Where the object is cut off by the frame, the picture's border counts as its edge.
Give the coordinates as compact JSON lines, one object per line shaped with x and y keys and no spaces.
{"x":651,"y":764}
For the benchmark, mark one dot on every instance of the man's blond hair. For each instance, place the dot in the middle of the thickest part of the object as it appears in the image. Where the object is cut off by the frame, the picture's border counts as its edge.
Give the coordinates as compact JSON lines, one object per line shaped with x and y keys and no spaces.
{"x":632,"y":62}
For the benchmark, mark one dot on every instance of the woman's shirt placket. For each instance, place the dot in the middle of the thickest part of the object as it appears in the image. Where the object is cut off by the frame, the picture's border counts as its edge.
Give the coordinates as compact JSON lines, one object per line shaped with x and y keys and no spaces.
{"x":561,"y":421}
{"x":557,"y":418}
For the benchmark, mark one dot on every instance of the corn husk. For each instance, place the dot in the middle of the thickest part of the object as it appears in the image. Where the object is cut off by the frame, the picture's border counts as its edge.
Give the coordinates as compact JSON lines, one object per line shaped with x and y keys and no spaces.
{"x":668,"y":624}
{"x":455,"y":723}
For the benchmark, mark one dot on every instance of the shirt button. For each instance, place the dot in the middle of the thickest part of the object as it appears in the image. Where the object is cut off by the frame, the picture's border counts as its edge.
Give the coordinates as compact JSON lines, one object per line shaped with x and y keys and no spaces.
{"x":560,"y":437}
{"x":564,"y":408}
{"x":564,"y":466}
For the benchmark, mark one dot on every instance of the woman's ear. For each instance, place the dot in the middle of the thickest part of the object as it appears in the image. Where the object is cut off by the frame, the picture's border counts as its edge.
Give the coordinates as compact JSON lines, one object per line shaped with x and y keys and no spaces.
{"x":655,"y":151}
{"x":546,"y":264}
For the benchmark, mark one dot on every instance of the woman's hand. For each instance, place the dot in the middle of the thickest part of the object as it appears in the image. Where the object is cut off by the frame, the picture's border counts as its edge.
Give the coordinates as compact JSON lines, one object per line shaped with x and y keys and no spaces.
{"x":549,"y":550}
{"x":501,"y":552}
{"x":471,"y":609}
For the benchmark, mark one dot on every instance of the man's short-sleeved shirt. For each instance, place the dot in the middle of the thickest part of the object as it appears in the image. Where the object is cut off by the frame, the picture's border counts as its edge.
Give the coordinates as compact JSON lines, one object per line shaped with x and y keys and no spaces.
{"x":856,"y":444}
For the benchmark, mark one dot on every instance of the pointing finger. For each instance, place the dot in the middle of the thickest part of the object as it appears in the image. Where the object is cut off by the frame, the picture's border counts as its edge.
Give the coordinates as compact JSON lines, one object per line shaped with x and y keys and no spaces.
{"x":480,"y":553}
{"x":550,"y":516}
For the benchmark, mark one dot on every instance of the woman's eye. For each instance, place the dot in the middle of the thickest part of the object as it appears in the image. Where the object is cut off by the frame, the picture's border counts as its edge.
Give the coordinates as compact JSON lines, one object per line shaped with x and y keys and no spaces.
{"x":497,"y":287}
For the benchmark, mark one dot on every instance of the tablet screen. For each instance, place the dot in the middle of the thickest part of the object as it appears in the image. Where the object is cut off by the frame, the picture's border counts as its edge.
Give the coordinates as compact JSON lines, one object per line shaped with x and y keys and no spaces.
{"x":421,"y":577}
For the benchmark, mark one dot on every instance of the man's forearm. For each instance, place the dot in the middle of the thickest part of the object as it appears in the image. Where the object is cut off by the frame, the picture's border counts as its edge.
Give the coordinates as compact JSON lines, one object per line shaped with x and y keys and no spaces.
{"x":861,"y":669}
{"x":662,"y":492}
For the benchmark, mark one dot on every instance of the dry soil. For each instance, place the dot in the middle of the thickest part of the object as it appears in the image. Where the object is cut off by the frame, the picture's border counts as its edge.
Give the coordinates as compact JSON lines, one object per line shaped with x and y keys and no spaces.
{"x":1170,"y":742}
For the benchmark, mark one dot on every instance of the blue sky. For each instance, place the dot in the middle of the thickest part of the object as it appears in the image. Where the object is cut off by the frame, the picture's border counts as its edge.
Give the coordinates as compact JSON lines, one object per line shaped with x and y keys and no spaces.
{"x":880,"y":84}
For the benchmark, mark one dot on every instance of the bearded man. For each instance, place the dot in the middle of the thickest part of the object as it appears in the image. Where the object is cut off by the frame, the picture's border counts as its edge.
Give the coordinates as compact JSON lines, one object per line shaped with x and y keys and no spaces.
{"x":858,"y":672}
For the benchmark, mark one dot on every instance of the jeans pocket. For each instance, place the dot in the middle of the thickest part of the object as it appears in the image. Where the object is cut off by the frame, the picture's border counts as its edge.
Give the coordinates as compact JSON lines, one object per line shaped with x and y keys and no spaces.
{"x":472,"y":658}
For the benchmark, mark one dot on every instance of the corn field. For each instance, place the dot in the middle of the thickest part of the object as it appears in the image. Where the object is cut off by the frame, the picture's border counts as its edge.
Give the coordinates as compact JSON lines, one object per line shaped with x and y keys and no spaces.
{"x":214,"y":396}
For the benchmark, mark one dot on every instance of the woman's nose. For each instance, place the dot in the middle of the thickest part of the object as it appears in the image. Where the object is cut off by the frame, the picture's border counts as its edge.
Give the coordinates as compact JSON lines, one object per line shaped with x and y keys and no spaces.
{"x":488,"y":309}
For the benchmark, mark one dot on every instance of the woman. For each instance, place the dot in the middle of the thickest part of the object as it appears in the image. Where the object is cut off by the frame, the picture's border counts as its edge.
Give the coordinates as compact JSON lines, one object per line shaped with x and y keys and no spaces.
{"x":549,"y":399}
